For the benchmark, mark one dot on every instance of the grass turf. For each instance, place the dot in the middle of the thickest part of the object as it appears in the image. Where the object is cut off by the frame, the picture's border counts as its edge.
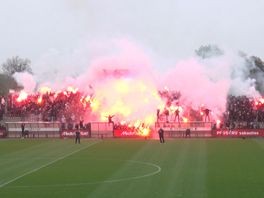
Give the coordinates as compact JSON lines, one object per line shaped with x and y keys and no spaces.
{"x":132,"y":168}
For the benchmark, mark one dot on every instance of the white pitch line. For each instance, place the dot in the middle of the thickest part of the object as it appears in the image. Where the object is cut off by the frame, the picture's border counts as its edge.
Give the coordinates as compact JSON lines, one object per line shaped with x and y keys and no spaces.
{"x":104,"y":181}
{"x":45,"y":165}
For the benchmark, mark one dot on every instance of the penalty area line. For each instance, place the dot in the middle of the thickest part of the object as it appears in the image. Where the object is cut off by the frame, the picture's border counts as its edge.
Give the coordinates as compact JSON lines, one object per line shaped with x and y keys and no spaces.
{"x":47,"y":164}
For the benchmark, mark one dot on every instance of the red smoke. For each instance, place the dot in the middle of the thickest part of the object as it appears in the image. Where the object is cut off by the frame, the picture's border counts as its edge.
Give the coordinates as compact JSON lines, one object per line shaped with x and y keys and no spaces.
{"x":124,"y":82}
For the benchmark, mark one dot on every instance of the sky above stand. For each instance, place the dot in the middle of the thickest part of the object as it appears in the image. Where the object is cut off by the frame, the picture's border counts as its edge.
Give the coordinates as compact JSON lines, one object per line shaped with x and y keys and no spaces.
{"x":171,"y":29}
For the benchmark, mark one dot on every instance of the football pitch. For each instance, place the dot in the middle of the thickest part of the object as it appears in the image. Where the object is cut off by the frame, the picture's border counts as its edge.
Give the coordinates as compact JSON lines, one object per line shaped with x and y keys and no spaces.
{"x":195,"y":168}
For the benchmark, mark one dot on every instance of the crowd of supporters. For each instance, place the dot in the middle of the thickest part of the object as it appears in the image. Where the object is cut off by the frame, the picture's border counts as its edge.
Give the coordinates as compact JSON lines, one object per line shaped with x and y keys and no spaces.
{"x":69,"y":107}
{"x":244,"y":112}
{"x":65,"y":107}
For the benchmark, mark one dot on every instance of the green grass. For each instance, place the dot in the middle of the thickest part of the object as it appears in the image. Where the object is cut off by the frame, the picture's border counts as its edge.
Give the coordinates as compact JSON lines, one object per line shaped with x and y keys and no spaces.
{"x":129,"y":168}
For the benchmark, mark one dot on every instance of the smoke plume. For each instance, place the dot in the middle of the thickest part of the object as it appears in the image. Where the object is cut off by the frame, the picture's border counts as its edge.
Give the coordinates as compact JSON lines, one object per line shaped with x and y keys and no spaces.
{"x":125,"y":81}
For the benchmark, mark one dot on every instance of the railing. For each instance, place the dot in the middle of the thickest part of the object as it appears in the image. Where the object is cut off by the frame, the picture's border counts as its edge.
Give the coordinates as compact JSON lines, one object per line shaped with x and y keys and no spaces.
{"x":101,"y":129}
{"x":53,"y":129}
{"x":179,"y":126}
{"x":34,"y":129}
{"x":94,"y":130}
{"x":178,"y":129}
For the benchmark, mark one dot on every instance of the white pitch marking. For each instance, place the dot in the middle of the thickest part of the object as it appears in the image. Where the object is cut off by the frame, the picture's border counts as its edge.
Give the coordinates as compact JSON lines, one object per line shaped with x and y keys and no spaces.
{"x":45,"y":165}
{"x":105,"y":181}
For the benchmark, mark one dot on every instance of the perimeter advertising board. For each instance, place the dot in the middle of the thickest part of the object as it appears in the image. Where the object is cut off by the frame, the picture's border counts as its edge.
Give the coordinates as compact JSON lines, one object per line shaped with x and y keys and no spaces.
{"x":71,"y":134}
{"x":128,"y":133}
{"x":240,"y":133}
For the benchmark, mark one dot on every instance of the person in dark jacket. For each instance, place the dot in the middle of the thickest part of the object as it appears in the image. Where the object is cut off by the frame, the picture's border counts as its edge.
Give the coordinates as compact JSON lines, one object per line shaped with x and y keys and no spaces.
{"x":77,"y":135}
{"x":177,"y":115}
{"x":110,"y":119}
{"x":161,"y":135}
{"x":188,"y":133}
{"x":22,"y":130}
{"x":207,"y":115}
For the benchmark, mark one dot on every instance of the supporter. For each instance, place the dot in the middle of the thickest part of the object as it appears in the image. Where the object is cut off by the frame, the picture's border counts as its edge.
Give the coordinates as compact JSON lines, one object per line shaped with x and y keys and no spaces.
{"x":63,"y":122}
{"x":81,"y":123}
{"x":166,"y":113}
{"x":110,"y":119}
{"x":241,"y":111}
{"x":207,"y":115}
{"x":158,"y":115}
{"x":177,"y":115}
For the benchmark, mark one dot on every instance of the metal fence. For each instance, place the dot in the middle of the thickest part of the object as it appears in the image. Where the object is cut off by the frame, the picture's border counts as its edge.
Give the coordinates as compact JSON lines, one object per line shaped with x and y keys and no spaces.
{"x":54,"y":129}
{"x":33,"y":129}
{"x":178,"y":129}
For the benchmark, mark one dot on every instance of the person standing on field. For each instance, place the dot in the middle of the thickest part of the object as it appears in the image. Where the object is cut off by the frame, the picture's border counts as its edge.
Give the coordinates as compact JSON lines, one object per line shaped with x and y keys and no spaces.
{"x":77,"y":135}
{"x":161,"y":135}
{"x":22,"y":130}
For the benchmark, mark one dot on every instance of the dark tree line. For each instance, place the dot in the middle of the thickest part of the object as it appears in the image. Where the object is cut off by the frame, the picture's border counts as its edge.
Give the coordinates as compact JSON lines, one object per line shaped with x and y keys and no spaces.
{"x":9,"y":68}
